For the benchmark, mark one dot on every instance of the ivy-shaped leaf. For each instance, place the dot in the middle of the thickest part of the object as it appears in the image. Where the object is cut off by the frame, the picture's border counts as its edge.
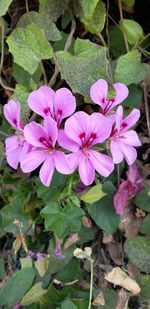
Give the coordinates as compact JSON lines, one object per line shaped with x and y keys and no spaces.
{"x":43,"y":22}
{"x":62,"y":220}
{"x":130,"y":70}
{"x":4,"y":5}
{"x":82,"y":69}
{"x":29,"y":46}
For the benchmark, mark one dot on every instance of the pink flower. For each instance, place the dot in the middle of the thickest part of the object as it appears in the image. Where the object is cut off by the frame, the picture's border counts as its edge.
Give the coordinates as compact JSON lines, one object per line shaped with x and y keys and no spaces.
{"x":128,"y":189}
{"x":81,"y":133}
{"x":123,"y":141}
{"x":99,"y":95}
{"x":16,"y":146}
{"x":58,"y":105}
{"x":44,"y":139}
{"x":12,"y":114}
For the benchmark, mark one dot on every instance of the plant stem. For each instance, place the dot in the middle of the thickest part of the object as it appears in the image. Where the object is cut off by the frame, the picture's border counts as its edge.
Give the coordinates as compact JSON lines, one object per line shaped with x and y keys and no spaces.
{"x":2,"y":26}
{"x":146,"y":107}
{"x":118,"y":174}
{"x":67,"y":45}
{"x":121,"y":18}
{"x":91,"y":283}
{"x":102,"y":39}
{"x":43,"y":72}
{"x":27,"y":7}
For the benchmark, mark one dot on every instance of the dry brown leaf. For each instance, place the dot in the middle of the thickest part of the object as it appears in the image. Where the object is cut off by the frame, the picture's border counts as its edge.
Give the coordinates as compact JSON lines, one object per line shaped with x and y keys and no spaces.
{"x":86,"y":222}
{"x":133,"y":270}
{"x":123,"y":298}
{"x":129,"y":223}
{"x":115,"y":251}
{"x":118,"y":277}
{"x":72,"y":239}
{"x":107,"y":238}
{"x":99,"y":300}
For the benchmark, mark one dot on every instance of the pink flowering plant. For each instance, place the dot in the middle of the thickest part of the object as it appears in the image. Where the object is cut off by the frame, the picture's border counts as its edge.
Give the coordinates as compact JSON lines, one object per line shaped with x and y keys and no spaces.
{"x":74,"y":154}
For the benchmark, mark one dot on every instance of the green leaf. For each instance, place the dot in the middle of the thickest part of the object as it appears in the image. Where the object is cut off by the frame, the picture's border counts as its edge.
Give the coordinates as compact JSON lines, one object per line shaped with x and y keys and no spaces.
{"x":43,"y":22}
{"x":51,"y":193}
{"x":142,"y":199}
{"x":68,"y":272}
{"x":134,"y":98}
{"x":110,"y":297}
{"x":68,"y":304}
{"x":132,"y":30}
{"x":117,"y":44}
{"x":4,"y":5}
{"x":42,"y":265}
{"x":26,"y":262}
{"x":103,"y":212}
{"x":129,"y":3}
{"x":2,"y":268}
{"x":87,"y":65}
{"x":29,"y":46}
{"x":54,"y":8}
{"x":92,"y":14}
{"x":21,"y":94}
{"x":138,"y":251}
{"x":33,"y":294}
{"x":24,"y":79}
{"x":62,"y":220}
{"x":16,"y":286}
{"x":93,"y":195}
{"x":130,"y":70}
{"x":145,"y":227}
{"x":14,"y":211}
{"x":144,"y":283}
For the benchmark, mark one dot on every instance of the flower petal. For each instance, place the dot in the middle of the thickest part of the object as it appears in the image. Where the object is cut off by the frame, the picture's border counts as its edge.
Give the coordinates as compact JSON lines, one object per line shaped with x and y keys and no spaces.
{"x":116,"y":152}
{"x":101,"y":126}
{"x":121,"y":93}
{"x":13,"y":150}
{"x":74,"y":159}
{"x":121,"y":197}
{"x":47,"y":170}
{"x":65,"y":142}
{"x":50,"y":126}
{"x":32,"y":160}
{"x":12,"y":114}
{"x":41,"y":101}
{"x":98,"y":92}
{"x":64,"y":104}
{"x":103,"y":164}
{"x":62,"y":163}
{"x":33,"y":133}
{"x":119,"y":117}
{"x":86,"y":170}
{"x":129,"y":153}
{"x":131,"y":119}
{"x":78,"y":124}
{"x":130,"y":138}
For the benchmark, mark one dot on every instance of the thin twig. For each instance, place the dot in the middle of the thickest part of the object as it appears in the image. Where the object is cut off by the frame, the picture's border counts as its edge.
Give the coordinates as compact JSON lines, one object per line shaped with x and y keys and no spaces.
{"x":3,"y":133}
{"x":108,"y":42}
{"x":146,"y":107}
{"x":2,"y":26}
{"x":67,"y":45}
{"x":44,"y":73}
{"x":27,"y":6}
{"x":102,"y":39}
{"x":121,"y":18}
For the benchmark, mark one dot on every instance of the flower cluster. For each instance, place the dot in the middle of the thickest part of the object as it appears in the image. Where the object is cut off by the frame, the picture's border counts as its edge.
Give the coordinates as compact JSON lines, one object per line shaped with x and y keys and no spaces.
{"x":73,"y":143}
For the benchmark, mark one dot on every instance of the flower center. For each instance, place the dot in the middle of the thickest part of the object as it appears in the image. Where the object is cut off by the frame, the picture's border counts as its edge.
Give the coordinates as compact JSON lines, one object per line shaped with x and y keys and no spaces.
{"x":108,"y":105}
{"x":47,"y":143}
{"x":87,"y":142}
